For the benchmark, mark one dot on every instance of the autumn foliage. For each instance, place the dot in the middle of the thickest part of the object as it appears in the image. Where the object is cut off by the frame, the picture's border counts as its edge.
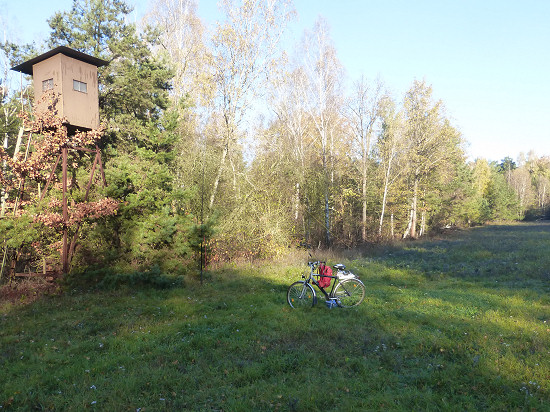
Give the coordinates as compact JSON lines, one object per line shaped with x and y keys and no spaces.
{"x":48,"y":134}
{"x":32,"y":180}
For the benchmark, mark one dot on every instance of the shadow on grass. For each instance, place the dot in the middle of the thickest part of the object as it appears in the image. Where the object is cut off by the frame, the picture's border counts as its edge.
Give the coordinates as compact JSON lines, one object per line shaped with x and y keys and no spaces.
{"x":513,"y":256}
{"x":424,"y":339}
{"x":474,"y":362}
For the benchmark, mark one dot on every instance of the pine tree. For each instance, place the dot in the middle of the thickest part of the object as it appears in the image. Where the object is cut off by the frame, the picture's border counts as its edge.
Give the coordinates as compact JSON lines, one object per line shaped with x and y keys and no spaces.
{"x":140,"y":138}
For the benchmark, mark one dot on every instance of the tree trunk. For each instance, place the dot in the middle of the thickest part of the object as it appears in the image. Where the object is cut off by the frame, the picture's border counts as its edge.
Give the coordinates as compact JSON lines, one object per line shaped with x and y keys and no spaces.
{"x":18,"y":142}
{"x":3,"y":194}
{"x":218,"y":176}
{"x":543,"y":198}
{"x":65,"y":251}
{"x":414,"y":209}
{"x":15,"y":152}
{"x":327,"y":219}
{"x":383,"y":210}
{"x":307,"y":223}
{"x":364,"y":196}
{"x":236,"y":191}
{"x":422,"y":224}
{"x":297,"y":203}
{"x":384,"y":198}
{"x":327,"y":184}
{"x":409,"y":226}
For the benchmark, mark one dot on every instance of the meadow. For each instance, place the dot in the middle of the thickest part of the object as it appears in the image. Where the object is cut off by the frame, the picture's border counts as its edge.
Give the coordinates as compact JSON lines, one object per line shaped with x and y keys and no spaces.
{"x":459,"y":322}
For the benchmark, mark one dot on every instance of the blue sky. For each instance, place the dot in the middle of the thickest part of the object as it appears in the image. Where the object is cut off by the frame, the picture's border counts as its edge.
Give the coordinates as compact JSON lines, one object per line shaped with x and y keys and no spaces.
{"x":487,"y":60}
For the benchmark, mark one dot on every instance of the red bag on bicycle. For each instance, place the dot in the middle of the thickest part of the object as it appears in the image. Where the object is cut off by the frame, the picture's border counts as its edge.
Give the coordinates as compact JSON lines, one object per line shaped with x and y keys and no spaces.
{"x":324,"y":271}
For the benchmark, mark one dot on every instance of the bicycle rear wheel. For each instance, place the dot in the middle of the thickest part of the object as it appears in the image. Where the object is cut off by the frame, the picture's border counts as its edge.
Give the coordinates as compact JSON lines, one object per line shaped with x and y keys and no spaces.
{"x":350,"y":293}
{"x":301,"y":295}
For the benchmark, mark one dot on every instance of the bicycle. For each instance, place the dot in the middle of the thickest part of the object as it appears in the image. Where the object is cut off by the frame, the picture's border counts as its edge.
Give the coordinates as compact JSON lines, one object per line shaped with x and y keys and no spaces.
{"x":347,"y":289}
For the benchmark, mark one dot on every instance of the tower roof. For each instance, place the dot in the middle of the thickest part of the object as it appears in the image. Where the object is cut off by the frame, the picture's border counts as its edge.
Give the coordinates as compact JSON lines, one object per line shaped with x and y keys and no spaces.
{"x":26,"y":67}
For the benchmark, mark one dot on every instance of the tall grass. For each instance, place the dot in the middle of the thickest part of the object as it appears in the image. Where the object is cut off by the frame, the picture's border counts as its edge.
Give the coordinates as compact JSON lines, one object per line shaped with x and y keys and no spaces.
{"x":461,"y":323}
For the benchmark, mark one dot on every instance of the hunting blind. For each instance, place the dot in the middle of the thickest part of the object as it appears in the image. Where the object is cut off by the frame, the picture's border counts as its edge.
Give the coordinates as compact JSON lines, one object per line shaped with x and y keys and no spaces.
{"x":72,"y":75}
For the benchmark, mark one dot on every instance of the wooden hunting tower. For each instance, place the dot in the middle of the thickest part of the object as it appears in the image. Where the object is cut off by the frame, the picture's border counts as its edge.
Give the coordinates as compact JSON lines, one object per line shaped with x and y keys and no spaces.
{"x":72,"y":75}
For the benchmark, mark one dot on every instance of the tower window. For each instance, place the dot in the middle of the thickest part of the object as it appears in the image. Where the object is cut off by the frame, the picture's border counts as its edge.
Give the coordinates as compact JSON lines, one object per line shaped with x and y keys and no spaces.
{"x":80,"y":86}
{"x":47,"y":85}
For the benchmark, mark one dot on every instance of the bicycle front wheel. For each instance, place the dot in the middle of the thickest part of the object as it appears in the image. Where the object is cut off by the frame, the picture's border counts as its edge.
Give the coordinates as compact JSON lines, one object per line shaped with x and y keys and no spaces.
{"x":350,"y":293}
{"x":301,"y":295}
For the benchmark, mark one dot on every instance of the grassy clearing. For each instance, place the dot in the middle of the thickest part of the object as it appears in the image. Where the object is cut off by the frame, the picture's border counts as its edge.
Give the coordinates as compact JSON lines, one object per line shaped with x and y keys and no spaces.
{"x":454,"y":324}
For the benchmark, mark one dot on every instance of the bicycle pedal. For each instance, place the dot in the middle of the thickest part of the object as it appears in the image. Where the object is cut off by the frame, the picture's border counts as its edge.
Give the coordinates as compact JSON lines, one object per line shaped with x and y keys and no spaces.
{"x":331,"y":303}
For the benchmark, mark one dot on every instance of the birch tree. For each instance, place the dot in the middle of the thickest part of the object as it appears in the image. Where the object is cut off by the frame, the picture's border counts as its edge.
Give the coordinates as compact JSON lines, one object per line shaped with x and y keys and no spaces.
{"x":11,"y":131}
{"x":432,"y":143}
{"x":289,"y":107}
{"x":182,"y":39}
{"x":323,"y":95}
{"x":391,"y":151}
{"x":520,"y":181}
{"x":244,"y":52}
{"x":362,"y":113}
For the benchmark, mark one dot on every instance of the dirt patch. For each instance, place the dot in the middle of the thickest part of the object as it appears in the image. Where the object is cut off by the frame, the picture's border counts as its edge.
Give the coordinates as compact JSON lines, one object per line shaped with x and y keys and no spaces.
{"x":26,"y":291}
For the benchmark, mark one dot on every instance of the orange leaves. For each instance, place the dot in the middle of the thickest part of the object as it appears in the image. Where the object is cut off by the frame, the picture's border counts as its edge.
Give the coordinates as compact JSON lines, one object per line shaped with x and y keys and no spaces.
{"x":92,"y":210}
{"x":54,"y":220}
{"x":53,"y":203}
{"x":78,"y":212}
{"x":48,"y":136}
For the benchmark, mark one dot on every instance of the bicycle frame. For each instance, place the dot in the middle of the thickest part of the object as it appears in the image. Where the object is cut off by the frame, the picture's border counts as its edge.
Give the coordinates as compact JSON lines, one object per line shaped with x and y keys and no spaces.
{"x":311,"y":279}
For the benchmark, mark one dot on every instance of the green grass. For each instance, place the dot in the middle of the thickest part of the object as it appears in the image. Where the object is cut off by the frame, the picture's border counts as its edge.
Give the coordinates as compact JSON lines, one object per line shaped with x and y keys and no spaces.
{"x":461,"y":323}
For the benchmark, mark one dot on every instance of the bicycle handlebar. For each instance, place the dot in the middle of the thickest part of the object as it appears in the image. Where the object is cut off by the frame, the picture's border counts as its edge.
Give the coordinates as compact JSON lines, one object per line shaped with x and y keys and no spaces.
{"x":312,"y":273}
{"x":316,"y":263}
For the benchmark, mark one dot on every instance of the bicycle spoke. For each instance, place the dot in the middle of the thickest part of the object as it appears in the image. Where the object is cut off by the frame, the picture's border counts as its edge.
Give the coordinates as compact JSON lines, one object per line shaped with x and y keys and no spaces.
{"x":350,"y":293}
{"x":300,"y":294}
